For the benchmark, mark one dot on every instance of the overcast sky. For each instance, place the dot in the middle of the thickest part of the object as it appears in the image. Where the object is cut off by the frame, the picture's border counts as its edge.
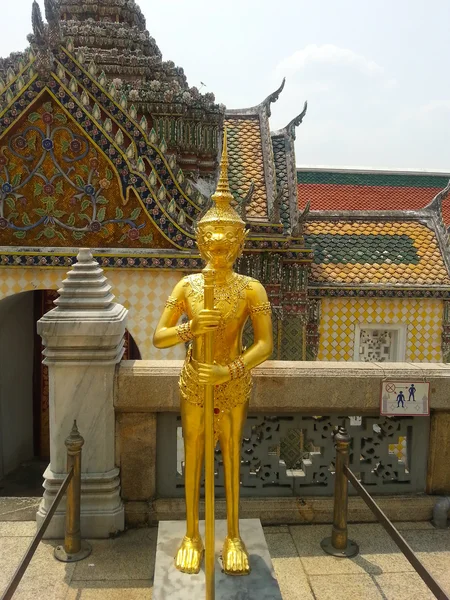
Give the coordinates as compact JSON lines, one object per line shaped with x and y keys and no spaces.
{"x":375,"y":73}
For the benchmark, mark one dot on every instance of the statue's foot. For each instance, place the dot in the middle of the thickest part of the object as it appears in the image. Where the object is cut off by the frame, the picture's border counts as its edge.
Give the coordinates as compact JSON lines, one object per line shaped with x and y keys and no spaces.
{"x":189,"y":556}
{"x":235,"y":557}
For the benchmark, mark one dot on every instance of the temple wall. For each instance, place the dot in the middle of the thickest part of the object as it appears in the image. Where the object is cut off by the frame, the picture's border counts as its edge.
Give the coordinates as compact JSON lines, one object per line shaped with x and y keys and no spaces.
{"x":142,"y":292}
{"x":340,"y":316}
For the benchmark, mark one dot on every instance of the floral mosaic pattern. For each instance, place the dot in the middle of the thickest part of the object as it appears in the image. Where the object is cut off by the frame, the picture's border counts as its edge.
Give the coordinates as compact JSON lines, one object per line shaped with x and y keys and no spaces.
{"x":55,"y":187}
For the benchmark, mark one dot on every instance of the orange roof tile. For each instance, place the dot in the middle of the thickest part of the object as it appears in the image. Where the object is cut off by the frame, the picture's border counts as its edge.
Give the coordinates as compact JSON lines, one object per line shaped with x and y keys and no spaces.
{"x":340,"y":190}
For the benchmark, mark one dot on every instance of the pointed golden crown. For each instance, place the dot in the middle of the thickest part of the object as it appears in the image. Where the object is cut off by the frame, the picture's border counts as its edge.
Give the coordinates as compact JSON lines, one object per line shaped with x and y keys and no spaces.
{"x":221,"y":210}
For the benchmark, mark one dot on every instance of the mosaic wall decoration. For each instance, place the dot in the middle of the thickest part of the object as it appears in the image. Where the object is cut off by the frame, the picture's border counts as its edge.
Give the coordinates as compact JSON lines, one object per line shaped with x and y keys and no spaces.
{"x":57,"y":187}
{"x":340,"y":315}
{"x":143,"y":293}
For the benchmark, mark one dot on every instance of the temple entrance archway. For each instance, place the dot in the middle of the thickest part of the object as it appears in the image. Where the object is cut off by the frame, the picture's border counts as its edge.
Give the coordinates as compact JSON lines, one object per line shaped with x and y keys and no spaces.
{"x":19,"y":468}
{"x":24,"y":392}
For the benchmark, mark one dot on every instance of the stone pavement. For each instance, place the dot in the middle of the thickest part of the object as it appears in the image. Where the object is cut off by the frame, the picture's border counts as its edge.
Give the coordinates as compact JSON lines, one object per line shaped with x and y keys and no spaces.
{"x":122,"y":568}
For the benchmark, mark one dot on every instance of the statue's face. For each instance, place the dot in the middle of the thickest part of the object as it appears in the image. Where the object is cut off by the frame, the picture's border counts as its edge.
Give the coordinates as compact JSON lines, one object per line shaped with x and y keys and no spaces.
{"x":220,"y":245}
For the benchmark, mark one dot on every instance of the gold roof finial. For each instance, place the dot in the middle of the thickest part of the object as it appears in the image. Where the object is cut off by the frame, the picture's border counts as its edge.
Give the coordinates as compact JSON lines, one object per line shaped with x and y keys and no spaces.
{"x":222,"y":210}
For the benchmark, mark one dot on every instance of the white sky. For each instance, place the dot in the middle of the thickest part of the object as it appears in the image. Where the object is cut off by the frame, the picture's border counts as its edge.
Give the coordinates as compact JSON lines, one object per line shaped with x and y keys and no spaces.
{"x":375,"y":73}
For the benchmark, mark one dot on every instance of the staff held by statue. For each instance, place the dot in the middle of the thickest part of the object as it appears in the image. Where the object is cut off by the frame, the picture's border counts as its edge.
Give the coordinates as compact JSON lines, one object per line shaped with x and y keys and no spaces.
{"x":208,"y":275}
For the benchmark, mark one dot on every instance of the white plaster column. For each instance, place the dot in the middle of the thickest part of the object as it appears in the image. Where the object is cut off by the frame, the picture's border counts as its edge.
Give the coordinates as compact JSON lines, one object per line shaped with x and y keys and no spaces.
{"x":84,"y":339}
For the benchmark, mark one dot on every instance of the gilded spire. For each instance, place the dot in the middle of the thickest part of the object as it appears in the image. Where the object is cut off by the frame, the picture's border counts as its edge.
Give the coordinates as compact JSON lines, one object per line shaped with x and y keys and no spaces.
{"x":222,"y":209}
{"x":223,"y":193}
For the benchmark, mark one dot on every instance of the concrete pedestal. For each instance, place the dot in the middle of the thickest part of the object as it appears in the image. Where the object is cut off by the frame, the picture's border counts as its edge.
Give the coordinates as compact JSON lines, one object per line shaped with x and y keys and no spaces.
{"x":170,"y":584}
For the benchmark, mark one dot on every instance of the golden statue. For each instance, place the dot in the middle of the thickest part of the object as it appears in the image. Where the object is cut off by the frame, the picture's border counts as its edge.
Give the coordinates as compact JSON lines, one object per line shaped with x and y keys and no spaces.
{"x":220,"y":239}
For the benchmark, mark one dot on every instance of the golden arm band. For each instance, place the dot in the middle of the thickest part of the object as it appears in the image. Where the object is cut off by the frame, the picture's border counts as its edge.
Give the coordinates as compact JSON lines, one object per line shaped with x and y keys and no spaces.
{"x":184,"y":332}
{"x":237,"y":368}
{"x":265,"y":308}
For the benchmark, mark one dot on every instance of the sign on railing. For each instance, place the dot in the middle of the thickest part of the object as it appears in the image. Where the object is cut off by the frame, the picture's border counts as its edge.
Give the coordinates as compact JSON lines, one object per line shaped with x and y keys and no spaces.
{"x":405,"y":398}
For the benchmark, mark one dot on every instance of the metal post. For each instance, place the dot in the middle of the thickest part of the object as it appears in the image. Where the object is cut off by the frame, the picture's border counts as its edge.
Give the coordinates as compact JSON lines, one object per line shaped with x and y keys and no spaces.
{"x":339,"y":544}
{"x":74,"y":548}
{"x":208,"y":275}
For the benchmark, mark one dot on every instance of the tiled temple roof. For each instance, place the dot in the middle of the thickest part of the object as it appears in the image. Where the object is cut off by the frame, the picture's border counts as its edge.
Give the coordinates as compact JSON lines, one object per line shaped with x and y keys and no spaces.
{"x":247,"y":162}
{"x":375,"y":252}
{"x":339,"y":190}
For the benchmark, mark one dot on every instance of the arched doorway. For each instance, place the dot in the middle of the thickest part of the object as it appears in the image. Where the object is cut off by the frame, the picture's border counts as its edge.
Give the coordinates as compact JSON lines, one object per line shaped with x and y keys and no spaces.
{"x":24,"y":392}
{"x":20,"y":472}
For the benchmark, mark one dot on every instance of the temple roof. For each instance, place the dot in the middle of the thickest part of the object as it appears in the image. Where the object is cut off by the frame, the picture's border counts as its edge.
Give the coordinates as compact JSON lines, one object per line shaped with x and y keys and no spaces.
{"x":110,"y":36}
{"x":120,"y":11}
{"x":375,"y":252}
{"x":262,"y":162}
{"x":348,"y":189}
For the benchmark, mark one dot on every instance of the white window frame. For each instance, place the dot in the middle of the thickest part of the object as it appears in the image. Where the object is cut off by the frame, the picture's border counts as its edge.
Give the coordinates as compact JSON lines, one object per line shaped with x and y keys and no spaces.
{"x":400,"y":341}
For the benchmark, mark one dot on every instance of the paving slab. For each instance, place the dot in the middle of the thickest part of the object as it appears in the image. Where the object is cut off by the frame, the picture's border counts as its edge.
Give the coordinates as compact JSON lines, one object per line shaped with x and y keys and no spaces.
{"x":289,"y":570}
{"x":345,"y":587}
{"x":18,"y":509}
{"x":411,"y":525}
{"x":403,"y":586}
{"x":17,"y":529}
{"x":105,"y":590}
{"x":122,"y":568}
{"x":378,"y":553}
{"x":45,"y":577}
{"x":130,"y":556}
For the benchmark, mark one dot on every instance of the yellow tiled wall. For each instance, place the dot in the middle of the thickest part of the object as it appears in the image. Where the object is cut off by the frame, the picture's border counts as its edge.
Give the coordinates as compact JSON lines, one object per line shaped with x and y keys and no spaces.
{"x":340,"y":315}
{"x":142,"y":292}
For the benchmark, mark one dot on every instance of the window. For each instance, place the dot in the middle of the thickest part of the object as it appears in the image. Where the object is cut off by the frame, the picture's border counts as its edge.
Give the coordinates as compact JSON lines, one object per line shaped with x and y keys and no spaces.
{"x":380,"y":342}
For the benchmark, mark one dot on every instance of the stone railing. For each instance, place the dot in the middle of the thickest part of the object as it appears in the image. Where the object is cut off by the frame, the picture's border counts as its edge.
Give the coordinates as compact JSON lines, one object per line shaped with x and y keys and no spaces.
{"x":288,"y":449}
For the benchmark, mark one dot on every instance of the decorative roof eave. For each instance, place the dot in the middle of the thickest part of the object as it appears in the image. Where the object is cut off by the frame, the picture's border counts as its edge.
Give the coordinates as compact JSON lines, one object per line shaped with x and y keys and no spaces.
{"x":137,"y":258}
{"x":317,"y":290}
{"x":369,"y":215}
{"x":287,"y":198}
{"x":262,"y":106}
{"x":436,"y":204}
{"x":17,"y":78}
{"x":434,"y":209}
{"x":262,"y":112}
{"x":289,"y":130}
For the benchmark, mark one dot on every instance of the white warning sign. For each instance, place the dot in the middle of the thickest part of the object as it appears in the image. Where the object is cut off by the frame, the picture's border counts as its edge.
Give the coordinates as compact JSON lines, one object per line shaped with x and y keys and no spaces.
{"x":405,"y":398}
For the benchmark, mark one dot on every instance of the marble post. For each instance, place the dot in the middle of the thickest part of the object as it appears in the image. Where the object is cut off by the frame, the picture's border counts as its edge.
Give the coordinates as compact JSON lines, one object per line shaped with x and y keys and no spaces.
{"x":84,"y":338}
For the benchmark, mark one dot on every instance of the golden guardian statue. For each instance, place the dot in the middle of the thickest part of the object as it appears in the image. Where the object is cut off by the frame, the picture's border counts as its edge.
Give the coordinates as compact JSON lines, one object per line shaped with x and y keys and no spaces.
{"x":216,"y":362}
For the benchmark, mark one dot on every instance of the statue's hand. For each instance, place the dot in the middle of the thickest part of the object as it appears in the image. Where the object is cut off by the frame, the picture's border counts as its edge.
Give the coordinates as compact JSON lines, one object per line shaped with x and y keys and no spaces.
{"x":213,"y":374}
{"x":205,"y":322}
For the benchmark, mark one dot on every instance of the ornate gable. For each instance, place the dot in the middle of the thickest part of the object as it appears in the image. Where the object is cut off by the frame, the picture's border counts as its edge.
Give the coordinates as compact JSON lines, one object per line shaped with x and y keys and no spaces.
{"x":115,"y":134}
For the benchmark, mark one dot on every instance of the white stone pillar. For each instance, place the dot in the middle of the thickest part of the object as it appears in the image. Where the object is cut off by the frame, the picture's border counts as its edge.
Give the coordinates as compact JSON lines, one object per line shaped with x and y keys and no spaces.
{"x":84,"y":340}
